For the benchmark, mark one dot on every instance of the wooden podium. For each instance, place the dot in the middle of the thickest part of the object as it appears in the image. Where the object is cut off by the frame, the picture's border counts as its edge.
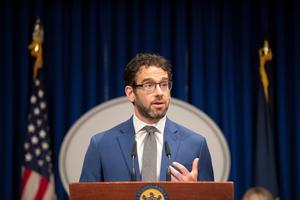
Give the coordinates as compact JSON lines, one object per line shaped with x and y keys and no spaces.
{"x":132,"y":190}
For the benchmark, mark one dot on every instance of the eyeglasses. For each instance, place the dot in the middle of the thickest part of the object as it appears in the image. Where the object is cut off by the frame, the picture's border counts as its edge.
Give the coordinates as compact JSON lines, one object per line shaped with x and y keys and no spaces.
{"x":151,"y":86}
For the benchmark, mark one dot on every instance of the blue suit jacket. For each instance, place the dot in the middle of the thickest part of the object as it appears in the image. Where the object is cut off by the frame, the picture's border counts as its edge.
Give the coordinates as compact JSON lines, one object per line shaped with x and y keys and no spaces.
{"x":108,"y":157}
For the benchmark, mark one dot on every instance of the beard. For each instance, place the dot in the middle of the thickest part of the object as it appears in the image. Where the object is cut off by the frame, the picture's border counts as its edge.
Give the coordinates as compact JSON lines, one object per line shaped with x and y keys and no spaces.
{"x":148,"y":112}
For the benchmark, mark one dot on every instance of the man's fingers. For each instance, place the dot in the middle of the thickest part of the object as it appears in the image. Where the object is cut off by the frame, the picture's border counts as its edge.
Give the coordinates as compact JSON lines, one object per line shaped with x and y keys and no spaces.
{"x":195,"y":166}
{"x":176,"y":174}
{"x":180,"y":173}
{"x":181,"y":168}
{"x":174,"y":179}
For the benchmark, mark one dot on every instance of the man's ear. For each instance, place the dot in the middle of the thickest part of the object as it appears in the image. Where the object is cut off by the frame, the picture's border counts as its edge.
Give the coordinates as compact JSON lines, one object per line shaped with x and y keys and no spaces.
{"x":129,"y":93}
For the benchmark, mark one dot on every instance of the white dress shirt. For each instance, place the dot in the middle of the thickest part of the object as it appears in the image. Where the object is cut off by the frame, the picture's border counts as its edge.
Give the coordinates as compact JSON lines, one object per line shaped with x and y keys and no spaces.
{"x":140,"y":135}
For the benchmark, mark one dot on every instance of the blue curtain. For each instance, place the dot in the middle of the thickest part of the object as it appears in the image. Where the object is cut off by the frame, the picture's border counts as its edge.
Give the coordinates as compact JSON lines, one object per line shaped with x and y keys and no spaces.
{"x":213,"y":48}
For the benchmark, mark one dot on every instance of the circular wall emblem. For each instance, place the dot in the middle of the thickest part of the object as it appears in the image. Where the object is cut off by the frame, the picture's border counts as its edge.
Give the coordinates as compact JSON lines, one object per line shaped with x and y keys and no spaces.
{"x":152,"y":192}
{"x":115,"y":111}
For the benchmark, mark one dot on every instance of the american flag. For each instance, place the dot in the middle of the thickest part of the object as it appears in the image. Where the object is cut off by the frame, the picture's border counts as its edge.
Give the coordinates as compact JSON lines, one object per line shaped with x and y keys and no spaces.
{"x":37,"y":176}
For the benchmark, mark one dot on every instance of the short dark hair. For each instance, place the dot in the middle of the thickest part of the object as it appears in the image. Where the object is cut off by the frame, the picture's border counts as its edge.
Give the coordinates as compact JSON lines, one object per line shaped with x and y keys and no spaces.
{"x":145,"y":59}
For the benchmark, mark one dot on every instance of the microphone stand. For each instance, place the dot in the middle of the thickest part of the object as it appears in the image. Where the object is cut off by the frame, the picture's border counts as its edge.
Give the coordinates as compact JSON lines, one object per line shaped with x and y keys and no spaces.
{"x":133,"y":156}
{"x":168,"y":154}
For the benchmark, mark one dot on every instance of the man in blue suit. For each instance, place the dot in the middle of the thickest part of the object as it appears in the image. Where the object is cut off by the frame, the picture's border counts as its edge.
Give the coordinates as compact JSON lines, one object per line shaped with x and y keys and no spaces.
{"x":148,"y":82}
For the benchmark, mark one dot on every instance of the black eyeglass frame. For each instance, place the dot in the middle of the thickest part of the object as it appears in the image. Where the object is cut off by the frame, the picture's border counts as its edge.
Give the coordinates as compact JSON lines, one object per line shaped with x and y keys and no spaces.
{"x":170,"y":84}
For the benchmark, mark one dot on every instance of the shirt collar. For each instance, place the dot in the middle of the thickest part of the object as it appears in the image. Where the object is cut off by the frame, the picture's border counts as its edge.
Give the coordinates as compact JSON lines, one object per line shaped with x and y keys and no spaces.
{"x":139,"y":125}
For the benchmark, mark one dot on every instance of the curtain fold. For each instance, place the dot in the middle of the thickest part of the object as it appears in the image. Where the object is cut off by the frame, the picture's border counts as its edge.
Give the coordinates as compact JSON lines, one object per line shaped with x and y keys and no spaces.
{"x":212,"y":46}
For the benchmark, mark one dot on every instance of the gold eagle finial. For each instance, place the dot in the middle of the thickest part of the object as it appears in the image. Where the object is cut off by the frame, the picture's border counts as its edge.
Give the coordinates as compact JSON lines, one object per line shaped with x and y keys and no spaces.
{"x":265,"y":55}
{"x":36,"y":46}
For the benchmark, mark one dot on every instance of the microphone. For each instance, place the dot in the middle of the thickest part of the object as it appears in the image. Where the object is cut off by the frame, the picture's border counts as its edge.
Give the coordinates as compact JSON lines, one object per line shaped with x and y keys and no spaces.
{"x":168,"y":154}
{"x":133,"y":156}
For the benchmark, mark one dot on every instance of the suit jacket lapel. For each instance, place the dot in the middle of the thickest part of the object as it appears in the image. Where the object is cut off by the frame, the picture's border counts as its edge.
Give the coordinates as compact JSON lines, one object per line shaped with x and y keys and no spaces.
{"x":126,"y":140}
{"x":170,"y":135}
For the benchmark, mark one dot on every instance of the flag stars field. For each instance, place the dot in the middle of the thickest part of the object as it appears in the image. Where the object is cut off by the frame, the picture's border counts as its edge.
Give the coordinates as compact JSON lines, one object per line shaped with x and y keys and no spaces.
{"x":34,"y":140}
{"x":41,"y":93}
{"x":42,"y":105}
{"x":33,"y":99}
{"x":36,"y":111}
{"x":37,"y":82}
{"x":45,"y":145}
{"x":42,"y":133}
{"x":28,"y":157}
{"x":48,"y":158}
{"x":31,"y":128}
{"x":26,"y":145}
{"x":37,"y":151}
{"x":39,"y":122}
{"x":40,"y":163}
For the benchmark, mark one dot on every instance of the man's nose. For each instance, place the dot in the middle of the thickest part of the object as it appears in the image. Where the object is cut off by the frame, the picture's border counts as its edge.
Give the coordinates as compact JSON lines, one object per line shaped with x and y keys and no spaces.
{"x":158,"y":89}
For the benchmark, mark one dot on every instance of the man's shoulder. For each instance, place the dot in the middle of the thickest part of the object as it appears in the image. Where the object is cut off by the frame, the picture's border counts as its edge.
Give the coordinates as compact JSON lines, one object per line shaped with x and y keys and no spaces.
{"x":114,"y":131}
{"x":184,"y":131}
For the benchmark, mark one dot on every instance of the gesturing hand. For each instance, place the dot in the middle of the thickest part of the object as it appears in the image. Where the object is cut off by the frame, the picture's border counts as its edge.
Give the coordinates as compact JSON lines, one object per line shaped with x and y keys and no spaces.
{"x":183,"y":174}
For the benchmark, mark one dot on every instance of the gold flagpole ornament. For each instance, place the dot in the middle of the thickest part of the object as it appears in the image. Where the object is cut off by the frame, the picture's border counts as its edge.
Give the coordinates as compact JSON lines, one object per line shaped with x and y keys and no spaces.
{"x":36,"y":46}
{"x":265,"y":55}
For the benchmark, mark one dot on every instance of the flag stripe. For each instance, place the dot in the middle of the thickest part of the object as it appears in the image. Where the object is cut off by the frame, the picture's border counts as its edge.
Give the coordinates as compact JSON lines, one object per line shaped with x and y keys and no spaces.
{"x":42,"y":188}
{"x":26,"y":175}
{"x":31,"y":186}
{"x":50,"y":193}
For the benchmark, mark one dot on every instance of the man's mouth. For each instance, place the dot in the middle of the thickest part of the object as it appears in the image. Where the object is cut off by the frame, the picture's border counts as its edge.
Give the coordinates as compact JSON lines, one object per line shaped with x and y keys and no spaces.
{"x":158,"y":104}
